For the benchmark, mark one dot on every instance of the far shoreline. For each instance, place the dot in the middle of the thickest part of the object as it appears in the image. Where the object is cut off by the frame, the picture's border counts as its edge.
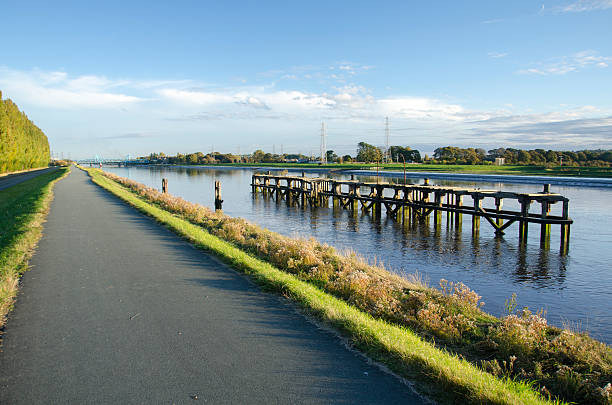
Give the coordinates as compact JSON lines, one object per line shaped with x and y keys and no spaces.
{"x":572,"y":181}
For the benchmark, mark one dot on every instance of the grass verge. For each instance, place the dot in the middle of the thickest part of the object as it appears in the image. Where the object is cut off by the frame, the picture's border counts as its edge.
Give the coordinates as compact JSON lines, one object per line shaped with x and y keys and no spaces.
{"x":440,"y":374}
{"x":23,"y":208}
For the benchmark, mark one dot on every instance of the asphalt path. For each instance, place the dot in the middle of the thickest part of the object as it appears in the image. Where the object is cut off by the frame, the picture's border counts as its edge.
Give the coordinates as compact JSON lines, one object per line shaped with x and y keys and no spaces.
{"x":117,"y":309}
{"x":12,"y":179}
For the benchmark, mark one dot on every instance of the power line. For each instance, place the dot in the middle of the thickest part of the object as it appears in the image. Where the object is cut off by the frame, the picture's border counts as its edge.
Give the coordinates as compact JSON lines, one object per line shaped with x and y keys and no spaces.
{"x":323,"y":147}
{"x":387,"y":139}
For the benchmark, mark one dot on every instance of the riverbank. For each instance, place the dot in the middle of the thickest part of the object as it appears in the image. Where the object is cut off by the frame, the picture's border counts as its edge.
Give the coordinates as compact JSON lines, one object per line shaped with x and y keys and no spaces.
{"x":372,"y":290}
{"x":512,"y":170}
{"x":23,"y":208}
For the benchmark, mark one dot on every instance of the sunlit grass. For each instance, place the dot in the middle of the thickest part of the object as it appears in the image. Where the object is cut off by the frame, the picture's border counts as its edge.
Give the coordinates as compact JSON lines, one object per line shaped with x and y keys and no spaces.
{"x":23,"y":208}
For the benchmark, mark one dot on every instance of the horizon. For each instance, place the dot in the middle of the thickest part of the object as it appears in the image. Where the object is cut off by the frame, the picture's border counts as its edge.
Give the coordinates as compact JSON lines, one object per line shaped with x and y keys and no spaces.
{"x":119,"y":79}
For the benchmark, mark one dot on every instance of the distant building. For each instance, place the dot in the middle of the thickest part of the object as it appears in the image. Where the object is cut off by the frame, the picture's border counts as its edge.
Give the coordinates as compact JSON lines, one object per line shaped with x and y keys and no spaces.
{"x":500,"y":161}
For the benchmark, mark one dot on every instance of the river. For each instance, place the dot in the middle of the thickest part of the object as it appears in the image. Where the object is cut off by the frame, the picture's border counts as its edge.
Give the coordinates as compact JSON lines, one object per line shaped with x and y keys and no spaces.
{"x":573,"y":289}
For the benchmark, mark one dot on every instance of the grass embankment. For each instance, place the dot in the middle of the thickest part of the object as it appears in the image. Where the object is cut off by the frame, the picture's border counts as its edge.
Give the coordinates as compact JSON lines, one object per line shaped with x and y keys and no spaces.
{"x":22,"y":171}
{"x":443,"y":375}
{"x":23,"y":208}
{"x":520,"y":170}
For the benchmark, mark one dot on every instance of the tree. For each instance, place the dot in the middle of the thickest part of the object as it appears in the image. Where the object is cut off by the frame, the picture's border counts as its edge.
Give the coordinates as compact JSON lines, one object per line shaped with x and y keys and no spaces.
{"x":347,"y":158}
{"x":22,"y":144}
{"x":331,"y":156}
{"x":368,"y":153}
{"x":408,"y":154}
{"x":258,"y":156}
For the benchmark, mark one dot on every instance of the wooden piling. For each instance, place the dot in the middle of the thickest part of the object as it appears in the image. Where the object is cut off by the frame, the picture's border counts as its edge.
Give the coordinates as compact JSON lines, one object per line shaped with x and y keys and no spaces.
{"x":476,"y":218}
{"x":523,"y":224}
{"x":218,"y":200}
{"x":164,"y":185}
{"x":565,"y":228}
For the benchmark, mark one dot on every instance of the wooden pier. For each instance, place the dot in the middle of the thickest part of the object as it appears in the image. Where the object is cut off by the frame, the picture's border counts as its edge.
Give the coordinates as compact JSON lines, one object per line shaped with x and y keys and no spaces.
{"x":420,"y":202}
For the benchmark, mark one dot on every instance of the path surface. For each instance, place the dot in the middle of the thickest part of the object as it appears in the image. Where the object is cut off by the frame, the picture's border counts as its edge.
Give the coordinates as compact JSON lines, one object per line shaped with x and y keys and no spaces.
{"x":117,"y":309}
{"x":12,"y":179}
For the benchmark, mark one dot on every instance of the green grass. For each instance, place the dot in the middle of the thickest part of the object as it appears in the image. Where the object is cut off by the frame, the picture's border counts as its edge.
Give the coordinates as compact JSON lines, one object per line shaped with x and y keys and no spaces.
{"x":23,"y":208}
{"x":562,"y":171}
{"x":439,"y":374}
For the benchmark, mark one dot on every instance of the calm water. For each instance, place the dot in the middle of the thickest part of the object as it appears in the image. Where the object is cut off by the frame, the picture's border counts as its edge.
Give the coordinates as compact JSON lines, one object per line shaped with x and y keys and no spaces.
{"x":575,"y":289}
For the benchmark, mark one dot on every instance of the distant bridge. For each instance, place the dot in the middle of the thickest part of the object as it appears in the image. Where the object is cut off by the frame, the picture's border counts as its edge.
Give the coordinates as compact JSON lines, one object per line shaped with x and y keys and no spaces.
{"x":126,"y":161}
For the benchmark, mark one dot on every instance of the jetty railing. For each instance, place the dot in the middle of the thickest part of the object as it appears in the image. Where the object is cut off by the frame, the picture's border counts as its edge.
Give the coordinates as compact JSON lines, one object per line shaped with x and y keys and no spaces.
{"x":419,"y":202}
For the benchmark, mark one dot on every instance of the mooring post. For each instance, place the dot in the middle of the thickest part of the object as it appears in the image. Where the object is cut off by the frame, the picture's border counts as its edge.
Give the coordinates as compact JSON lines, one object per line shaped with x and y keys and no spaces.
{"x":218,"y":200}
{"x":164,"y":185}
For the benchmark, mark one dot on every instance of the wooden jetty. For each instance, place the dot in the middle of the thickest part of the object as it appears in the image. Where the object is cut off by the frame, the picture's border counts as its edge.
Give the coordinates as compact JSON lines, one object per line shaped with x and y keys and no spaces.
{"x":420,"y":202}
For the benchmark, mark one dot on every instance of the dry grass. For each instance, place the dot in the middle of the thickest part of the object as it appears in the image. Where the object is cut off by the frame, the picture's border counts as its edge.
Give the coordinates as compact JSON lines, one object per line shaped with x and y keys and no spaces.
{"x":563,"y":363}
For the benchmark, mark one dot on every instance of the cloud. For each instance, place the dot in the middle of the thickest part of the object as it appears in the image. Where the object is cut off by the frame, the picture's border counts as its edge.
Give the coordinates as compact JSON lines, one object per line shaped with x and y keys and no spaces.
{"x":194,"y":96}
{"x":58,"y":90}
{"x":567,"y":64}
{"x":497,"y":55}
{"x":130,"y":135}
{"x":494,"y":21}
{"x":192,"y":108}
{"x":583,"y":5}
{"x":551,"y":129}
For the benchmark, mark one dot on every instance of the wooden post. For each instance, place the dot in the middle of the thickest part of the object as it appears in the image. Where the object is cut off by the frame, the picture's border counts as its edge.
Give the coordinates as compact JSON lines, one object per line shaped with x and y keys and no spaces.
{"x":476,"y":218}
{"x":164,"y":185}
{"x":449,"y":203}
{"x":378,"y":202}
{"x":545,"y":228}
{"x":458,"y":215}
{"x":523,"y":224}
{"x":218,"y":200}
{"x":336,"y":191}
{"x":565,"y":228}
{"x":499,"y":202}
{"x":438,"y":211}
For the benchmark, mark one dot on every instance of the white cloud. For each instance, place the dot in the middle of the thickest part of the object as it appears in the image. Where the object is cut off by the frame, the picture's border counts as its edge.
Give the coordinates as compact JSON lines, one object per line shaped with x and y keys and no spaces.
{"x":584,"y":5}
{"x":195,"y":97}
{"x":189,"y":107}
{"x":567,"y":64}
{"x":59,"y":91}
{"x":497,"y":55}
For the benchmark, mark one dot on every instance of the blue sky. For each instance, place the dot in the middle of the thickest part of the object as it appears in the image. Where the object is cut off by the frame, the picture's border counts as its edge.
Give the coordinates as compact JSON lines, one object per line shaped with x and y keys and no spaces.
{"x":137,"y":77}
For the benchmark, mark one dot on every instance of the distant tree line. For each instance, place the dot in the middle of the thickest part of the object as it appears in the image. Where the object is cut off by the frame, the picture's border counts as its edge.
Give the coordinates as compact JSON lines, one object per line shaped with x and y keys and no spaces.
{"x":22,"y":144}
{"x":367,"y":153}
{"x":456,"y":155}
